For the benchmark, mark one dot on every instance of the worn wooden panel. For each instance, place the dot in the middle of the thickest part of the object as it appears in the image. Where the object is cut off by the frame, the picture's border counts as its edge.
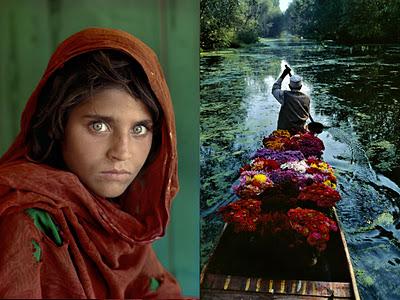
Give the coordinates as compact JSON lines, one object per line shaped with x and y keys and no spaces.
{"x":249,"y":285}
{"x":215,"y":295}
{"x":31,"y":30}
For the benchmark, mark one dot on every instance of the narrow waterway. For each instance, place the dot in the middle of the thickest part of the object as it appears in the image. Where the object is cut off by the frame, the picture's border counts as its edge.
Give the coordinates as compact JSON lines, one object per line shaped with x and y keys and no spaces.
{"x":355,"y":91}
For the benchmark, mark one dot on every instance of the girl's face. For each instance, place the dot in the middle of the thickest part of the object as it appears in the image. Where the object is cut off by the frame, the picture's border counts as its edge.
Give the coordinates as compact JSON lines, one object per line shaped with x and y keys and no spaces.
{"x":107,"y":141}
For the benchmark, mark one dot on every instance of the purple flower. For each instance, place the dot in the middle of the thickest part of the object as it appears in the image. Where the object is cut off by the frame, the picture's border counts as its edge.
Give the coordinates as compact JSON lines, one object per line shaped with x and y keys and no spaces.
{"x":311,"y":147}
{"x":320,"y":178}
{"x":280,"y":176}
{"x":279,"y":156}
{"x":303,"y":180}
{"x":263,"y":153}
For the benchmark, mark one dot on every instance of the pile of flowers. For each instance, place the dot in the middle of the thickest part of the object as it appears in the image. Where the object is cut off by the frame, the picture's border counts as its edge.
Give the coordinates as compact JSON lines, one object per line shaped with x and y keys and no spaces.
{"x":321,"y":168}
{"x":310,"y":171}
{"x":275,"y":227}
{"x":284,"y":175}
{"x":307,"y":143}
{"x":276,"y":139}
{"x":312,"y":225}
{"x":321,"y":194}
{"x":279,"y":197}
{"x":261,"y":164}
{"x":282,"y":166}
{"x":252,"y":183}
{"x":279,"y":156}
{"x":242,"y":214}
{"x":263,"y":173}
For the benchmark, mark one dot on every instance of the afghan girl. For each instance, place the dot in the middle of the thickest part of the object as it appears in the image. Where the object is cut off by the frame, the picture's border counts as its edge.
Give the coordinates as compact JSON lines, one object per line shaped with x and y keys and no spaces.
{"x":87,"y":185}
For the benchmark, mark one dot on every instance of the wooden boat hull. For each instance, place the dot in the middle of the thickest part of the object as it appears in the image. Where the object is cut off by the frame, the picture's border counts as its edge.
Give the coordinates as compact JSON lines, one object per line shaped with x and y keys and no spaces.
{"x":235,"y":272}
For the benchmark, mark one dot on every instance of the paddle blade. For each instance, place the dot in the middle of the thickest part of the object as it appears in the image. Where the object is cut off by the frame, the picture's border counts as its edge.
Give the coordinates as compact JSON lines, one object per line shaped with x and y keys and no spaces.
{"x":315,"y":127}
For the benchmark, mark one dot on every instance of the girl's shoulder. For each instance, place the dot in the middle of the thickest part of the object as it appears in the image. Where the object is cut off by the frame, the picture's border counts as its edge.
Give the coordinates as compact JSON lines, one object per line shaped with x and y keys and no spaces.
{"x":43,"y":221}
{"x":31,"y":225}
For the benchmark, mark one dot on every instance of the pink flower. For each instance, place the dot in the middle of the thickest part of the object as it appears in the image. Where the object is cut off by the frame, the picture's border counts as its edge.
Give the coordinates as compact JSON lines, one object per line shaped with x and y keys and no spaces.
{"x":316,"y":235}
{"x":333,"y":227}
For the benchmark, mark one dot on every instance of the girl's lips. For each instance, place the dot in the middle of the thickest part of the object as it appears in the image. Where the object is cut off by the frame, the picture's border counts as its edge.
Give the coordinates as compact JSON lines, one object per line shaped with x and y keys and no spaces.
{"x":116,"y":174}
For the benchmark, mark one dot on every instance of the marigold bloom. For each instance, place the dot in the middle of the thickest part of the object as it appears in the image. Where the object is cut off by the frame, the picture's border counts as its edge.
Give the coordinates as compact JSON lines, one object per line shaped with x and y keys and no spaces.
{"x":261,"y":178}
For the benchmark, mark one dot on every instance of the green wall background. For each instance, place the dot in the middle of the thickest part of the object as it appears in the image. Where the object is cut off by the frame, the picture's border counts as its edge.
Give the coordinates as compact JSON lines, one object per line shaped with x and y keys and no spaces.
{"x":30,"y":31}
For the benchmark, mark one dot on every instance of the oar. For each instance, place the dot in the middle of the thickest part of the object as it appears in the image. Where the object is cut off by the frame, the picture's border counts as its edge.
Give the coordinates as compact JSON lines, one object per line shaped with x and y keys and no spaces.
{"x":315,"y":127}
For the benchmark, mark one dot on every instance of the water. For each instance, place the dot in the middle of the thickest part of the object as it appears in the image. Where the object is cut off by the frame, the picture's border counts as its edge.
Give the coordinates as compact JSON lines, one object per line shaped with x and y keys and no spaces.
{"x":356,"y":92}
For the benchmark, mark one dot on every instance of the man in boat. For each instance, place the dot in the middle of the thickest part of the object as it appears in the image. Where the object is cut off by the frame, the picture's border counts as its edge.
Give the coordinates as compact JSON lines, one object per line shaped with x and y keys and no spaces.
{"x":295,"y":105}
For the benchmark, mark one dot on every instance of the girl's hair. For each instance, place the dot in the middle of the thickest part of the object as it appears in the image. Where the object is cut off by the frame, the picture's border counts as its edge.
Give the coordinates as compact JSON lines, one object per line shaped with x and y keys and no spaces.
{"x":77,"y":81}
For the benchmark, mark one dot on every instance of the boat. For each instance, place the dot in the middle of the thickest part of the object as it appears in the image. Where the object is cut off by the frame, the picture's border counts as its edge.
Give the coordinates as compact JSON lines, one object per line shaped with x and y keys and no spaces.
{"x":233,"y":271}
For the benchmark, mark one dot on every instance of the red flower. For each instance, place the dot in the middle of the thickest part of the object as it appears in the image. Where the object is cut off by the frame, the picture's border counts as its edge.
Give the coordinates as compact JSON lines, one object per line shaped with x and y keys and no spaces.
{"x":256,"y":183}
{"x":322,"y":194}
{"x":312,"y":241}
{"x":245,"y":168}
{"x":311,"y":224}
{"x":272,"y":165}
{"x":242,"y":214}
{"x":312,"y":161}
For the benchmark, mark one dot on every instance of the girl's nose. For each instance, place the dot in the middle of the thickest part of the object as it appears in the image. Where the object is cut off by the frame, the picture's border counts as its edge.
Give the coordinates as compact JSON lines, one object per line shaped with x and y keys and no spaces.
{"x":120,"y":147}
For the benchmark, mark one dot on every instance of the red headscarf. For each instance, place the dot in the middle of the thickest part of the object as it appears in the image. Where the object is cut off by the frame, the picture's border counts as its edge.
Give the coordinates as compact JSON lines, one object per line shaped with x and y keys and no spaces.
{"x":106,"y":250}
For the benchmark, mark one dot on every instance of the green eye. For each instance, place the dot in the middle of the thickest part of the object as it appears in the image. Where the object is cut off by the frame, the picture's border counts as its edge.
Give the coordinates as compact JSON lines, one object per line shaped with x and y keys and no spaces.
{"x":98,"y":126}
{"x":138,"y":129}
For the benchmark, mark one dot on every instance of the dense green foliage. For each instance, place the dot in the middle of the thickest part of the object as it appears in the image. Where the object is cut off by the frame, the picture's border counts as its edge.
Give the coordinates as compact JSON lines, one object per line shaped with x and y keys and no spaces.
{"x":345,"y":21}
{"x":234,"y":22}
{"x":216,"y":22}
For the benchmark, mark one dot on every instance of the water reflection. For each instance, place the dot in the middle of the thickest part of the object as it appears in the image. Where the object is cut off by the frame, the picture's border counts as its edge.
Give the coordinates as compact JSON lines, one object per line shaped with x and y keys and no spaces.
{"x":355,"y":93}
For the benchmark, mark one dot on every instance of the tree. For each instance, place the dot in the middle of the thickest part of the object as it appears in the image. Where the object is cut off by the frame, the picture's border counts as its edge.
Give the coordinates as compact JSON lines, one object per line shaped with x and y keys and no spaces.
{"x":300,"y":18}
{"x":216,"y":19}
{"x":224,"y":22}
{"x":247,"y":23}
{"x":373,"y":21}
{"x":270,"y":18}
{"x":260,"y":18}
{"x":329,"y":18}
{"x":346,"y":21}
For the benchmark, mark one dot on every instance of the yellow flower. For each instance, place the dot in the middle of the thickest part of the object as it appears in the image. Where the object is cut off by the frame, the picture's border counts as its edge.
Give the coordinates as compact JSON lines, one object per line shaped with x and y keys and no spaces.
{"x":323,"y":165}
{"x":274,"y":145}
{"x":328,"y":182}
{"x":331,"y":184}
{"x":261,"y":178}
{"x":283,"y":133}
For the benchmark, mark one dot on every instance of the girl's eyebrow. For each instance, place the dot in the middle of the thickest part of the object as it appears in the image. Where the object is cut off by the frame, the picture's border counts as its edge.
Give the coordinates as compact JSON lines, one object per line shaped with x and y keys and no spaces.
{"x":111,"y":120}
{"x":106,"y":119}
{"x":148,"y":122}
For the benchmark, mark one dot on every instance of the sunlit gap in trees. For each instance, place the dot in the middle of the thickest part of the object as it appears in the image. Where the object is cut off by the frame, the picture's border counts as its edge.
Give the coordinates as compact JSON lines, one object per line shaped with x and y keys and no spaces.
{"x":284,"y":4}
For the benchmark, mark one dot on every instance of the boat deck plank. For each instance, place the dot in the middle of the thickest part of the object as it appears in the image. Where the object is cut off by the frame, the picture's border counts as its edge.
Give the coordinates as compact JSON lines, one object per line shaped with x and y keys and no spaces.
{"x":213,"y":284}
{"x":211,"y":295}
